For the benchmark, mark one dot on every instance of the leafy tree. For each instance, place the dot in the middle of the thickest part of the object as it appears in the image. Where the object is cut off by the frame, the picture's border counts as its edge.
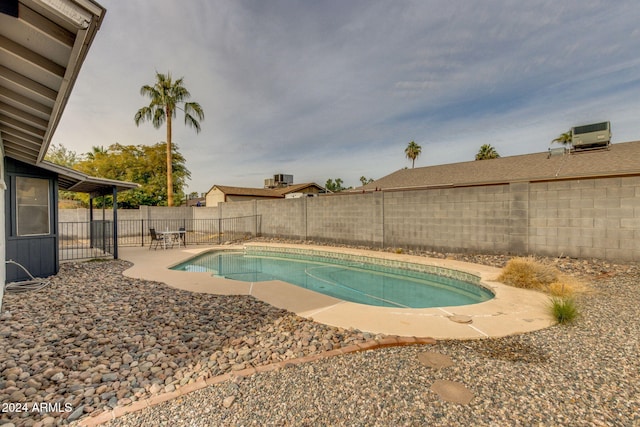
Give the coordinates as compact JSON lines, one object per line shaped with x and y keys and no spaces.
{"x":412,"y":152}
{"x":564,"y":138}
{"x":487,"y":152}
{"x":141,"y":164}
{"x":62,"y":156}
{"x":167,"y":96}
{"x":365,"y":181}
{"x":334,"y":185}
{"x":95,"y":151}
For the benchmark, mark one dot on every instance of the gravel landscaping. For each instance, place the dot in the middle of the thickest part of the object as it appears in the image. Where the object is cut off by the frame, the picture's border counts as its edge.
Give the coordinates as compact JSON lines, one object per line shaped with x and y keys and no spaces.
{"x":94,"y":340}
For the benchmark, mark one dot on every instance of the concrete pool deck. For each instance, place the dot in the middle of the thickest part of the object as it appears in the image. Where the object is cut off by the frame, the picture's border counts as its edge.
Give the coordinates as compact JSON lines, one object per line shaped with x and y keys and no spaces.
{"x":511,"y":311}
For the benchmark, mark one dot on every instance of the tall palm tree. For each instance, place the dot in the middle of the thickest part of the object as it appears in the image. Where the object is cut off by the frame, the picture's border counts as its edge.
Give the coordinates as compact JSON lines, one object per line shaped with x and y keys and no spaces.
{"x":487,"y":152}
{"x":166,"y":97}
{"x":564,"y":138}
{"x":412,"y":151}
{"x":96,"y":151}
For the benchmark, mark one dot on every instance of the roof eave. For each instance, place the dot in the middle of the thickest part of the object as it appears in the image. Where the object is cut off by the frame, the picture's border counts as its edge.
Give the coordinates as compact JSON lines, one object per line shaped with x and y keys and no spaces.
{"x":84,"y":39}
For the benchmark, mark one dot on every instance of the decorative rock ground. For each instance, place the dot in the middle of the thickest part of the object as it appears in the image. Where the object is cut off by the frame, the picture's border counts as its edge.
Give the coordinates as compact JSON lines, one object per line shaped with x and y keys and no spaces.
{"x":113,"y":339}
{"x":95,"y":339}
{"x":584,"y":374}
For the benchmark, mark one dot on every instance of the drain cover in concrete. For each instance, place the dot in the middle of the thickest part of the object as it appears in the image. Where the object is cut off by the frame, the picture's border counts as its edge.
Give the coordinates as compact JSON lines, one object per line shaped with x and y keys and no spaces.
{"x":460,"y":318}
{"x":435,"y":360}
{"x":453,"y":392}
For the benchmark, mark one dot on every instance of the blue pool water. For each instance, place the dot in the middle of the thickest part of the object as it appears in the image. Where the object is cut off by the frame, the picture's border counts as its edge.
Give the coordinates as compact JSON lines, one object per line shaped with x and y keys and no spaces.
{"x":358,"y":282}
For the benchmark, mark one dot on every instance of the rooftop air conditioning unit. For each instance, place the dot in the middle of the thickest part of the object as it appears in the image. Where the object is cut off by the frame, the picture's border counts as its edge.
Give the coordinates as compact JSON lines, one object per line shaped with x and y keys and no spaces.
{"x":269,"y":183}
{"x":283,"y":180}
{"x":595,"y":135}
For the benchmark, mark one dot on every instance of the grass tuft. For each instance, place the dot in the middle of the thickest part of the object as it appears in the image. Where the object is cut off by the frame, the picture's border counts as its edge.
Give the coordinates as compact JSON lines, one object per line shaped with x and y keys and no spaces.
{"x":564,"y":309}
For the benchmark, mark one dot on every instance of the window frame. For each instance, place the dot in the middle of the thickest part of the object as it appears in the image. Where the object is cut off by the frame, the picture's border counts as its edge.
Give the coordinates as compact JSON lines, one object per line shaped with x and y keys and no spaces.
{"x":44,"y":206}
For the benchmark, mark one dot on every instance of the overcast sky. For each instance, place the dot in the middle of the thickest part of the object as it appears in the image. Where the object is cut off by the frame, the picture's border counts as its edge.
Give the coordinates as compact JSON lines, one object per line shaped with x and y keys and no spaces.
{"x":337,"y":89}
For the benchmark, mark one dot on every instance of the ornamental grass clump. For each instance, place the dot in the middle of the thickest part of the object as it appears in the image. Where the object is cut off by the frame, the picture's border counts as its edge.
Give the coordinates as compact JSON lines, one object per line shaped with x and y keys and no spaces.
{"x":564,"y":309}
{"x":527,"y":273}
{"x":566,"y":286}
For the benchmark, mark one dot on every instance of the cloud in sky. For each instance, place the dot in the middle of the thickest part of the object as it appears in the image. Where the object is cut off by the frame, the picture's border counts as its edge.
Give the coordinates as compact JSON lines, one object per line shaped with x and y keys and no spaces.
{"x":337,"y":89}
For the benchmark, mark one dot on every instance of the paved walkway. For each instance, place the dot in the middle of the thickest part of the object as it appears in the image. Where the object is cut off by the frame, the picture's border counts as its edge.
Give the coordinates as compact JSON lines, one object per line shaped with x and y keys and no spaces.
{"x":511,"y":311}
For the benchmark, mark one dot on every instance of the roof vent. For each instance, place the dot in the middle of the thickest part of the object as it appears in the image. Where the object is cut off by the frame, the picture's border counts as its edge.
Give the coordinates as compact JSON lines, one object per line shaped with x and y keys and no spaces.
{"x":557,"y":152}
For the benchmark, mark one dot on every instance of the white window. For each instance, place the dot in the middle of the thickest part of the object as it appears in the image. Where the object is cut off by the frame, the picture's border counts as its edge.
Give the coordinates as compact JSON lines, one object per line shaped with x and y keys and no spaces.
{"x":32,"y":201}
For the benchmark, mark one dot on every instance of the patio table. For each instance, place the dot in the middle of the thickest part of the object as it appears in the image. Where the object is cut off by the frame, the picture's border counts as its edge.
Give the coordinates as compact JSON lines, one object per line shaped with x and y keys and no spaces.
{"x":171,"y":236}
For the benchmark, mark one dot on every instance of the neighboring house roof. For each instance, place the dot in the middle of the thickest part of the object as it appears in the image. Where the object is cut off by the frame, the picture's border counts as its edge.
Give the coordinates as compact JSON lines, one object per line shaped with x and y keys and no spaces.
{"x":42,"y":47}
{"x":617,"y":159}
{"x":195,"y":201}
{"x":263,"y":192}
{"x":296,"y":188}
{"x":244,"y":191}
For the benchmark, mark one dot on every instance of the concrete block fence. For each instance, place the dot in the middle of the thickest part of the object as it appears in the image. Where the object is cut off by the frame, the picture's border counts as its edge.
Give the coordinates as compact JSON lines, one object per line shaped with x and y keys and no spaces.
{"x":585,"y":218}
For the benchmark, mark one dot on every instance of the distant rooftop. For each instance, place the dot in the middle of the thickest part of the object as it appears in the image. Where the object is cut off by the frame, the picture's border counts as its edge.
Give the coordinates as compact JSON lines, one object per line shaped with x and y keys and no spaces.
{"x":616,"y":160}
{"x":265,"y":192}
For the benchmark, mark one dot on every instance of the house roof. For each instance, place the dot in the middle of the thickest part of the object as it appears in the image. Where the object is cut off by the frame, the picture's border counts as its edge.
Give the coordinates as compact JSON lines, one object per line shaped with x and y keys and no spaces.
{"x":42,"y":47}
{"x":295,"y":188}
{"x":618,"y":159}
{"x":244,"y":191}
{"x":264,"y":192}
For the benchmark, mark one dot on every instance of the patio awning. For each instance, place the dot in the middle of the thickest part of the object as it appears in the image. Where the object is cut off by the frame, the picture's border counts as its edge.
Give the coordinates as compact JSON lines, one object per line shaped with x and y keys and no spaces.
{"x":73,"y":180}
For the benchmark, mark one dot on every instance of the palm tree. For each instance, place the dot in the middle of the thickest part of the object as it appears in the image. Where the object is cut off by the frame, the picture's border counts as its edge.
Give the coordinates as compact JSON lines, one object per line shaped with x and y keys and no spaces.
{"x":364,"y":180}
{"x":412,"y":151}
{"x":166,"y":97}
{"x":96,"y":151}
{"x":564,"y":138}
{"x":487,"y":152}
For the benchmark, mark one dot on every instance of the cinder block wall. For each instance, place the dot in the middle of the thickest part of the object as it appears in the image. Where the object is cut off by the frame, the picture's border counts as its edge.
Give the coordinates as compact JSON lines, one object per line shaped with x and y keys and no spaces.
{"x":82,"y":214}
{"x":236,"y":209}
{"x":453,"y":219}
{"x":353,"y":219}
{"x":164,"y":212}
{"x":587,"y":218}
{"x":592,"y":218}
{"x":286,"y":218}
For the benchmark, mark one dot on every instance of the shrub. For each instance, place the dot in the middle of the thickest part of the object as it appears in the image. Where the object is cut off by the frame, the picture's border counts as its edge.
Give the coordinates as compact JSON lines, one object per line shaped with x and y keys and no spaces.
{"x":564,"y":309}
{"x":528,"y":273}
{"x":567,"y":286}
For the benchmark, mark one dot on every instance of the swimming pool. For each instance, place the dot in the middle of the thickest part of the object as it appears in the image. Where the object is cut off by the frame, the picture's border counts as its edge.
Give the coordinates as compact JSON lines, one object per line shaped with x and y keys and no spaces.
{"x":361,"y":280}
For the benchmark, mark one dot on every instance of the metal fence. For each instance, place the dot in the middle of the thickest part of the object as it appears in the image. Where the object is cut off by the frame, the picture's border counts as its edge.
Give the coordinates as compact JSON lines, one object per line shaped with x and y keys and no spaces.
{"x":81,"y":240}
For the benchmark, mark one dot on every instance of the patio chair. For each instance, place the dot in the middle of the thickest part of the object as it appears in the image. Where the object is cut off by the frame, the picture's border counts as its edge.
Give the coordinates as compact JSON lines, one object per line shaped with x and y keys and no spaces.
{"x":156,"y":239}
{"x":183,"y":236}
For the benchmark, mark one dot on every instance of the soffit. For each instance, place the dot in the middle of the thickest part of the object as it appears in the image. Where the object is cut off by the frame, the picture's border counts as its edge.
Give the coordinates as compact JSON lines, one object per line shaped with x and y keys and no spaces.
{"x":41,"y":52}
